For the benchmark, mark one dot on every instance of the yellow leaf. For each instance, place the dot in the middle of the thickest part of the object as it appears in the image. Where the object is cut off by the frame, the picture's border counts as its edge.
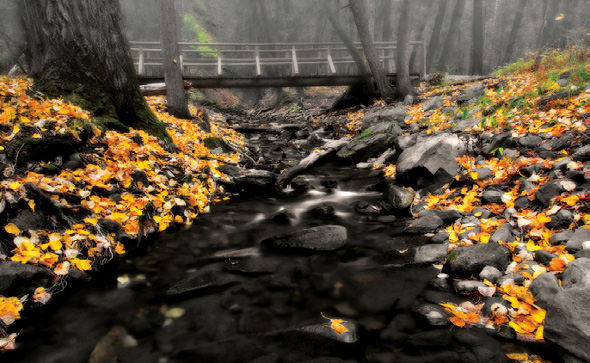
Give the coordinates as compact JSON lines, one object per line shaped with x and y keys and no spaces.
{"x":82,"y":265}
{"x":14,"y":185}
{"x":15,"y":129}
{"x":518,"y":356}
{"x":55,"y":245}
{"x":36,"y":136}
{"x":560,"y":17}
{"x":178,"y":219}
{"x":32,"y":205}
{"x":12,"y":228}
{"x":337,"y":325}
{"x":92,"y":221}
{"x":24,"y":120}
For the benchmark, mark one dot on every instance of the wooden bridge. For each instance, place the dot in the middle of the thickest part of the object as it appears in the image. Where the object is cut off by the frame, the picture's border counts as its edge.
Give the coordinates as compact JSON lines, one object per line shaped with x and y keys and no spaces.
{"x":237,"y":65}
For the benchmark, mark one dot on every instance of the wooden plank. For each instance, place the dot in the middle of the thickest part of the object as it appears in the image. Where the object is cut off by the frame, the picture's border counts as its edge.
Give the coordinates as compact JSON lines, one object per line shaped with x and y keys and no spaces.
{"x":258,"y":69}
{"x":331,"y":66}
{"x":141,"y":70}
{"x":295,"y":64}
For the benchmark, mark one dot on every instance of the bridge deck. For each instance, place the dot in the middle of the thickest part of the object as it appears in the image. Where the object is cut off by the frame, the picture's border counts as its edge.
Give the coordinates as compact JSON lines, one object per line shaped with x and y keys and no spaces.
{"x":233,"y":65}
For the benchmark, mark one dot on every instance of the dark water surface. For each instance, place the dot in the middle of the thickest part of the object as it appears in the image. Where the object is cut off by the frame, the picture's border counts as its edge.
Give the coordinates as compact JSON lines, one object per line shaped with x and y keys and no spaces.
{"x":258,"y":305}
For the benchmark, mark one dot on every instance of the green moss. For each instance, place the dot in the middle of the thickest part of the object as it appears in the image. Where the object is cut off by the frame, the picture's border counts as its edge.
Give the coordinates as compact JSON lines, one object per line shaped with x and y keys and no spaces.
{"x":194,"y":31}
{"x":452,"y":256}
{"x":365,"y":134}
{"x":215,"y":142}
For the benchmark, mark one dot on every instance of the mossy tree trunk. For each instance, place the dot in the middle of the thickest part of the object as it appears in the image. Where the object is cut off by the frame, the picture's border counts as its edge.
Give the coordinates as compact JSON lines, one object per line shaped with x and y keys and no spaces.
{"x":78,"y":50}
{"x":404,"y":83}
{"x":361,"y":20}
{"x":175,"y":95}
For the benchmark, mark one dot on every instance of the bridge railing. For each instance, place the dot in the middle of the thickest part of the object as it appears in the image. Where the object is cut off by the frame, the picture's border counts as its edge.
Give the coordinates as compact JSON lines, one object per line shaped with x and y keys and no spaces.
{"x":247,"y":60}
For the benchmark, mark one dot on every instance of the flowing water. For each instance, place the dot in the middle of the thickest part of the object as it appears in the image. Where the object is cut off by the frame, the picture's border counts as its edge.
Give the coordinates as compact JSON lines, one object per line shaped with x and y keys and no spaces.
{"x":248,"y":303}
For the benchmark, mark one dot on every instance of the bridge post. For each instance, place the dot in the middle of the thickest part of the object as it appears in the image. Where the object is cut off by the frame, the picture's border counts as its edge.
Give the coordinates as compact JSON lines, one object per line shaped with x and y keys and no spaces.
{"x":141,"y":66}
{"x":331,"y":66}
{"x":424,"y":70}
{"x":257,"y":53}
{"x":295,"y":64}
{"x":181,"y":63}
{"x":219,"y":67}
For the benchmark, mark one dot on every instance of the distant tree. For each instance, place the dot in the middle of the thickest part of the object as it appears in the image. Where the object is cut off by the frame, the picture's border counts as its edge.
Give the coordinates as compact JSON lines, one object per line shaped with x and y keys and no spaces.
{"x":361,"y":20}
{"x":404,"y":83}
{"x":514,"y":30}
{"x":452,"y":34}
{"x":78,"y":50}
{"x":435,"y":36}
{"x":547,"y":34}
{"x":427,"y":10}
{"x":176,"y":99}
{"x":477,"y":49}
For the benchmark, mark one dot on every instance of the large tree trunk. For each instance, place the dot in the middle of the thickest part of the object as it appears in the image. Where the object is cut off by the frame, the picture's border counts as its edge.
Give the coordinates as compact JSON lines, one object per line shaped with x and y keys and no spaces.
{"x":426,"y":11}
{"x":478,"y":38}
{"x":549,"y":22}
{"x":514,"y":31}
{"x":452,"y":34}
{"x":361,"y":20}
{"x":354,"y":52}
{"x":404,"y":84}
{"x":175,"y":95}
{"x":77,"y":49}
{"x":435,"y":37}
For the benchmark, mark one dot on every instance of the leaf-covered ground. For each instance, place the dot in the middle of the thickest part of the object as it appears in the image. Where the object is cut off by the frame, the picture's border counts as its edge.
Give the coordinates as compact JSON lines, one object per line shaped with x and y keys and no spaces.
{"x":515,"y":102}
{"x":125,"y":186}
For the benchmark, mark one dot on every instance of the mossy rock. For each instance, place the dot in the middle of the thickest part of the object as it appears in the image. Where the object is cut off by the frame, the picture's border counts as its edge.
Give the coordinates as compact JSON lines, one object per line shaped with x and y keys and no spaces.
{"x":212,"y":143}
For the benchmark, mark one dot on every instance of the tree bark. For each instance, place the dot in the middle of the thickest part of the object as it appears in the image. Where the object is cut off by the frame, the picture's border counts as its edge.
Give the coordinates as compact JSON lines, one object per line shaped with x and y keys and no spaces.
{"x":78,"y":50}
{"x":514,"y":31}
{"x":361,"y":20}
{"x":435,"y":37}
{"x":177,"y":102}
{"x":452,"y":34}
{"x":404,"y":84}
{"x":420,"y":34}
{"x":354,"y":52}
{"x":478,"y":38}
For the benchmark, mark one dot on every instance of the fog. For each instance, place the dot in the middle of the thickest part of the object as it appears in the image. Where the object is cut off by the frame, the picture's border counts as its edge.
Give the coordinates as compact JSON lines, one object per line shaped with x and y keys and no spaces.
{"x":511,"y":28}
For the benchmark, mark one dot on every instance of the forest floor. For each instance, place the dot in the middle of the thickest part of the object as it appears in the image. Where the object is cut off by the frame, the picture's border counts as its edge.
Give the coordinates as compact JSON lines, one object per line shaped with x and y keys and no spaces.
{"x":75,"y":196}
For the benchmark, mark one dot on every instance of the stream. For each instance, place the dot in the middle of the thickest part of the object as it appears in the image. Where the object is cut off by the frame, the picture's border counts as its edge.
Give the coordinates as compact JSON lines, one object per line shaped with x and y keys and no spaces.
{"x":211,"y":293}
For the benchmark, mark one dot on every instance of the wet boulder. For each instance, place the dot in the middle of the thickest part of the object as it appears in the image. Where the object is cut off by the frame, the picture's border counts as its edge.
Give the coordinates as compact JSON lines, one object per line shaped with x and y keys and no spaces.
{"x":370,"y":143}
{"x":576,"y":242}
{"x":322,"y":238}
{"x":398,"y":197}
{"x":470,"y":260}
{"x":430,"y":162}
{"x":18,"y":279}
{"x":257,"y":181}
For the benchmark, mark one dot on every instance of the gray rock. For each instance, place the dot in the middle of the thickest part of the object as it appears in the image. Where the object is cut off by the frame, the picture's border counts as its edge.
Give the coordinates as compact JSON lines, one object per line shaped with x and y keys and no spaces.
{"x":466,"y":124}
{"x":561,"y":165}
{"x":433,"y":103}
{"x":424,"y":224}
{"x":322,"y":238}
{"x":371,"y":143}
{"x":447,"y":215}
{"x":544,"y":287}
{"x":201,"y":281}
{"x":492,"y":196}
{"x":560,"y":220}
{"x":255,"y":320}
{"x":433,"y":253}
{"x":504,"y":141}
{"x":431,"y":314}
{"x":577,"y":274}
{"x":503,"y":234}
{"x":398,"y":328}
{"x":283,"y":216}
{"x":547,"y":192}
{"x":530,"y":141}
{"x":562,"y":82}
{"x":253,"y":265}
{"x":431,"y":162}
{"x":490,"y":273}
{"x":470,"y":260}
{"x":324,"y":330}
{"x":582,"y":154}
{"x":18,"y":279}
{"x":576,"y":241}
{"x":465,"y":286}
{"x":398,"y":197}
{"x":255,"y":181}
{"x":440,"y":237}
{"x":567,"y":321}
{"x":484,"y":173}
{"x":544,"y":257}
{"x":561,"y":237}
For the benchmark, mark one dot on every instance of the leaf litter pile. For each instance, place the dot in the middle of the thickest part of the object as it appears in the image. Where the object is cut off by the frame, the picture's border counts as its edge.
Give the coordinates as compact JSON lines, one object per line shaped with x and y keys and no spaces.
{"x":524,"y":100}
{"x":124,"y":187}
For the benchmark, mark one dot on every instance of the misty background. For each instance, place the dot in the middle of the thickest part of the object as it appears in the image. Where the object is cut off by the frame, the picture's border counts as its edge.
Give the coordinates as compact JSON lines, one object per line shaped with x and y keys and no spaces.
{"x":511,"y":27}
